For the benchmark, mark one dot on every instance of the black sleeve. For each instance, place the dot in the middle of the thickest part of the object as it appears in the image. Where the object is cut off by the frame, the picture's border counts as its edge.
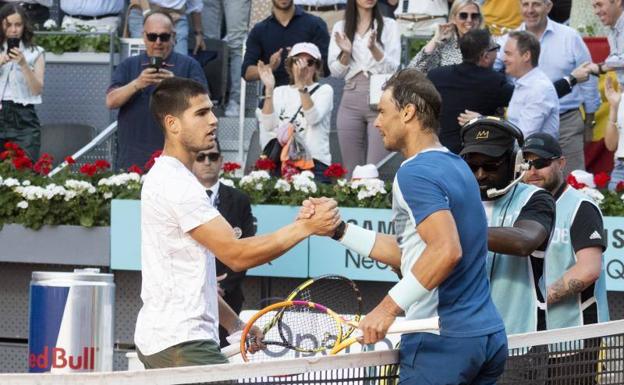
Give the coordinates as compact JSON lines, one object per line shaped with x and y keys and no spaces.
{"x":321,"y":39}
{"x":249,"y":221}
{"x":540,"y":208}
{"x":562,"y":87}
{"x":253,"y":50}
{"x":587,"y":229}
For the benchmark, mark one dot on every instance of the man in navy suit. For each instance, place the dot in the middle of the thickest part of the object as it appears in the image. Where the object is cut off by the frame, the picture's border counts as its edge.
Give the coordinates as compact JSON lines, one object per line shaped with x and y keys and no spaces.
{"x":235,"y":207}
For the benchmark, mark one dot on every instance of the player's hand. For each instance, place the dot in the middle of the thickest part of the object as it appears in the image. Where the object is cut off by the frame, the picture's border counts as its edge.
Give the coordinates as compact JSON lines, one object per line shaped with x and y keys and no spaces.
{"x":376,"y":323}
{"x":467,"y":116}
{"x":255,"y":339}
{"x":307,"y":207}
{"x":325,"y":219}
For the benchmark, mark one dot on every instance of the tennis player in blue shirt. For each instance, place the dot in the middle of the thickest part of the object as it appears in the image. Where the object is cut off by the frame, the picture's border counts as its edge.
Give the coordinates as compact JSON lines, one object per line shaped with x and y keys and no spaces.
{"x":440,"y":247}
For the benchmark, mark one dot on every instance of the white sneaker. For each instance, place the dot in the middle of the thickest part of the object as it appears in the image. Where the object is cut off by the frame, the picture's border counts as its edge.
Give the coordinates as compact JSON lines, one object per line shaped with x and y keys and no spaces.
{"x":232,"y":110}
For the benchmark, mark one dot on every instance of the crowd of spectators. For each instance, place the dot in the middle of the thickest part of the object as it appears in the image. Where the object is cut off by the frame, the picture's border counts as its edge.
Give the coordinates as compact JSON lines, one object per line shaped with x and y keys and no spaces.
{"x":538,"y":62}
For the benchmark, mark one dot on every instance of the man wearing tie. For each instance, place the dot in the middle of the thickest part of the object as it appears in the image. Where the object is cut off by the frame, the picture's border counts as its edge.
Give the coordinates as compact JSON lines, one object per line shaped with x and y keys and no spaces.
{"x":235,"y":207}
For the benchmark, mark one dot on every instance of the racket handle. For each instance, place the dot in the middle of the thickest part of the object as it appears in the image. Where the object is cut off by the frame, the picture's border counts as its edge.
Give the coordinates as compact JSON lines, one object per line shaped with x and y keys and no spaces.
{"x":231,"y":350}
{"x":411,"y":326}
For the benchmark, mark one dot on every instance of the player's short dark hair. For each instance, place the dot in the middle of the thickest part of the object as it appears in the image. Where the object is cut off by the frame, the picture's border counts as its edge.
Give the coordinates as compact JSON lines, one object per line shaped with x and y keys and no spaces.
{"x":410,"y":86}
{"x":173,"y":96}
{"x":526,"y":41}
{"x":473,"y":44}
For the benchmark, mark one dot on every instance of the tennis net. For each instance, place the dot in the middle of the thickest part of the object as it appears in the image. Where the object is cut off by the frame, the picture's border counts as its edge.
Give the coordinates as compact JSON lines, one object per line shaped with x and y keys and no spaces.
{"x":591,"y":354}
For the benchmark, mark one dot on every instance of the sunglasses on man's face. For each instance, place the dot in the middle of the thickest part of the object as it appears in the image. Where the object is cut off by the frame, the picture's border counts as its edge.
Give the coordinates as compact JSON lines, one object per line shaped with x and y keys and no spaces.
{"x":212,"y":156}
{"x":540,"y":163}
{"x":486,"y":167}
{"x":473,"y":15}
{"x":164,"y":37}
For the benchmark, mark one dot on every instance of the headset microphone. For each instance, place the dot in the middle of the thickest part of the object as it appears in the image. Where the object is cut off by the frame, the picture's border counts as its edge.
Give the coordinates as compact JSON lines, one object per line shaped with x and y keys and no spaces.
{"x":493,"y":193}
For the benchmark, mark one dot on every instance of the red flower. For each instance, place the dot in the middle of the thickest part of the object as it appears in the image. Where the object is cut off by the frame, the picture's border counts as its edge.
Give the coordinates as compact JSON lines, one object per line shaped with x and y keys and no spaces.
{"x":230,"y":166}
{"x":150,"y":162}
{"x":602,"y":179}
{"x":70,"y":160}
{"x":264,"y":163}
{"x":43,"y":165}
{"x":289,"y":170}
{"x":619,"y":187}
{"x":136,"y":169}
{"x":4,"y":155}
{"x":574,"y":183}
{"x":11,"y":146}
{"x":101,"y":164}
{"x":335,"y":170}
{"x":88,"y":169}
{"x":22,"y":163}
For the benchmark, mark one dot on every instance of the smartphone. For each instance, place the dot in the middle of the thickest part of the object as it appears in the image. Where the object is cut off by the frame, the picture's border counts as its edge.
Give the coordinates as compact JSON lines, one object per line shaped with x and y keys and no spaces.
{"x":12,"y":42}
{"x":155,"y":62}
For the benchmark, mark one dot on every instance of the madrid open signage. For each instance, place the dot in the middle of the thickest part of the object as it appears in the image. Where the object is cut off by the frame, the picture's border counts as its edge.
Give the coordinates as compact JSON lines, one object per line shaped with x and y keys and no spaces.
{"x":320,"y":255}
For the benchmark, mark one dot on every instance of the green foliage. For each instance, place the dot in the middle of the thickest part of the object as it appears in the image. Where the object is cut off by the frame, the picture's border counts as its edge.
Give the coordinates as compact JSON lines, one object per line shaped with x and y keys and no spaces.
{"x":414,"y":46}
{"x":613,"y":204}
{"x":58,"y":43}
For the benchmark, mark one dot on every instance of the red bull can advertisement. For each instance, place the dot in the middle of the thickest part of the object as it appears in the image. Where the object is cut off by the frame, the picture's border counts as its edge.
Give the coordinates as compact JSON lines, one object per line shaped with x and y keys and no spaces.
{"x":71,"y":321}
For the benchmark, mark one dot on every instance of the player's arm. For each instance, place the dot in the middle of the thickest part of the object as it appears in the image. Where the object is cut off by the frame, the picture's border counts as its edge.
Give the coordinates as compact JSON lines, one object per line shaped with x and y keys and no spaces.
{"x":244,"y":253}
{"x":586,"y":235}
{"x":442,"y":253}
{"x":228,"y":318}
{"x":531,"y":229}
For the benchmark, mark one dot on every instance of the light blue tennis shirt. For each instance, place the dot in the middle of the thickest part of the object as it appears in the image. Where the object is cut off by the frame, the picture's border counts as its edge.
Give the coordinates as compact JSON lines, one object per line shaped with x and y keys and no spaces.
{"x":438,"y":180}
{"x":534,"y":105}
{"x":562,"y":50}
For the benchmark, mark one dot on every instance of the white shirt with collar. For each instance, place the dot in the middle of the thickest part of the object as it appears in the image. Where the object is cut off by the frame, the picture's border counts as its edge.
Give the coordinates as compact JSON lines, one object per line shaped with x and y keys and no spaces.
{"x":214,"y":197}
{"x":362,"y":59}
{"x":188,"y":5}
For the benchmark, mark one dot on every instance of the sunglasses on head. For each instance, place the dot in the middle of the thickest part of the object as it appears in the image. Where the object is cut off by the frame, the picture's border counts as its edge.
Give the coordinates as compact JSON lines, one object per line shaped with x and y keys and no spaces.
{"x":212,"y":156}
{"x":486,"y":167}
{"x":164,"y":37}
{"x":540,"y":163}
{"x":473,"y":15}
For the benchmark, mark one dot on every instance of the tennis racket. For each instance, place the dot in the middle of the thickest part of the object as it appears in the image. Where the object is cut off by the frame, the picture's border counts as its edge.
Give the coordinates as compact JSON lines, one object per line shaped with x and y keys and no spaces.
{"x":292,"y":329}
{"x":410,"y":326}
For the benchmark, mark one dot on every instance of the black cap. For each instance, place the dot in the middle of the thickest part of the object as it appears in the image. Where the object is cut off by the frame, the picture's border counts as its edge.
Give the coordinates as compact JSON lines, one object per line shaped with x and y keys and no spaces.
{"x":485,"y":136}
{"x":543,"y":145}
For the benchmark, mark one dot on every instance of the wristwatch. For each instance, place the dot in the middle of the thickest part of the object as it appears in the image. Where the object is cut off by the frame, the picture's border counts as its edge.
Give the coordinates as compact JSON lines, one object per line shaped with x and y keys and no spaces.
{"x":572,"y":81}
{"x":303,"y":90}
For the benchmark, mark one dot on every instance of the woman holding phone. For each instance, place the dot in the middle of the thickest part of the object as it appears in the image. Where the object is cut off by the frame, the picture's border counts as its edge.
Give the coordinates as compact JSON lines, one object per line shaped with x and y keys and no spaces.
{"x":22,"y":66}
{"x":363,"y":44}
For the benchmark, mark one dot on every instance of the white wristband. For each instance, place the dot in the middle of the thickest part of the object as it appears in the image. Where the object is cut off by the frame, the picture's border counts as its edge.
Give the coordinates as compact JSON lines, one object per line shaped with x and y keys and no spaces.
{"x":359,"y":239}
{"x":407,"y":291}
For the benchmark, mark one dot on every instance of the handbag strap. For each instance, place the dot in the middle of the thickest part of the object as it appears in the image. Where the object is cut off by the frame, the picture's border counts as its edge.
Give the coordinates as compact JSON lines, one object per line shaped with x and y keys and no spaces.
{"x":313,"y":90}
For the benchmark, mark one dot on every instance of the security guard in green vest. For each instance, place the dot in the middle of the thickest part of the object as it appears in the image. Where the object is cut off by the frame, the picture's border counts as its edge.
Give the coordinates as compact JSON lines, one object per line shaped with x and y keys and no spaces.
{"x":574,"y":275}
{"x":520,"y":217}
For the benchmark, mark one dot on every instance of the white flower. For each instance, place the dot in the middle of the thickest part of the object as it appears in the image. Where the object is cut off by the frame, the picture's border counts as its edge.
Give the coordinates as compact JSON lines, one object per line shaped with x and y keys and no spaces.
{"x":258,"y":186}
{"x":120,"y":179}
{"x":69,"y":195}
{"x":108,"y":195}
{"x":49,"y":24}
{"x":227,"y":182}
{"x":307,"y":174}
{"x":11,"y":182}
{"x":368,"y":188}
{"x":342,"y":182}
{"x":80,"y":186}
{"x":22,"y":205}
{"x":282,"y":185}
{"x":26,"y":182}
{"x":302,"y":183}
{"x":594,"y":194}
{"x":255,"y":178}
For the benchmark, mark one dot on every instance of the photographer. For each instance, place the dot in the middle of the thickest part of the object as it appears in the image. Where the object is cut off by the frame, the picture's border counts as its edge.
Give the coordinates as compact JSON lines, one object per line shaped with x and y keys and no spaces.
{"x":134,"y":80}
{"x":22,"y":66}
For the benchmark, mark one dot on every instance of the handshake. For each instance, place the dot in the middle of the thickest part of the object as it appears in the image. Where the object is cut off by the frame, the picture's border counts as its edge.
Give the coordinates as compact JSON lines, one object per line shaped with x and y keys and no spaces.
{"x":320,"y":216}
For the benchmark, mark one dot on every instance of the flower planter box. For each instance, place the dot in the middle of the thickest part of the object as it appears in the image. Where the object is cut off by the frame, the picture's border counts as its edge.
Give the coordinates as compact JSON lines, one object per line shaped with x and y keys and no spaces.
{"x":598,"y":47}
{"x":65,"y":245}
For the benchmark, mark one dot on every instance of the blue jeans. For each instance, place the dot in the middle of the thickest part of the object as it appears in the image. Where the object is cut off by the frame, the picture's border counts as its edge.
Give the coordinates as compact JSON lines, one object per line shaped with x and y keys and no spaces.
{"x":236,"y":21}
{"x":617,"y":175}
{"x":135,"y":26}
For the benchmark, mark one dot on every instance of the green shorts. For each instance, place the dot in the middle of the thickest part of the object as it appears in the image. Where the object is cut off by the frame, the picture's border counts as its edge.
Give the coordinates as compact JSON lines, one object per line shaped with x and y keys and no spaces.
{"x":189,"y":353}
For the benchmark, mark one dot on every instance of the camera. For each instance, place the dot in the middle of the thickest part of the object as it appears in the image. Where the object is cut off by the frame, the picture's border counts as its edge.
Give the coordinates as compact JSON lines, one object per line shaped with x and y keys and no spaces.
{"x":12,"y":42}
{"x":155,"y":62}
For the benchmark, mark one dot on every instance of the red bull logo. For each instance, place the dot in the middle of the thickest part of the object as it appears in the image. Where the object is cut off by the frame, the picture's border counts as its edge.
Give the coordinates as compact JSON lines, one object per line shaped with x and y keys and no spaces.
{"x":57,"y":358}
